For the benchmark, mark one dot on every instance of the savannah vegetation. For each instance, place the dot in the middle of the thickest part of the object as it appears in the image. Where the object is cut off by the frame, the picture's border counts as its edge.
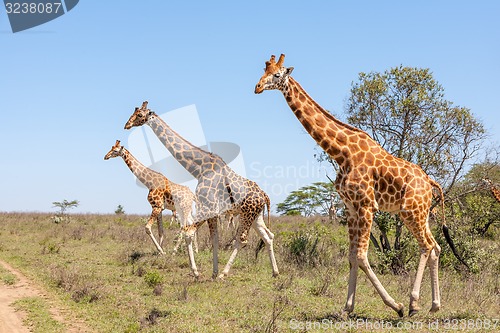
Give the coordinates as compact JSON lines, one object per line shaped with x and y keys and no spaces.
{"x":104,"y":269}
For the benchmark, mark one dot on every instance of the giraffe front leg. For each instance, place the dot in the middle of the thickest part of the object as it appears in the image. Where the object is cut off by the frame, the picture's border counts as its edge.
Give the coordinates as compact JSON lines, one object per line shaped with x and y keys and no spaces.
{"x":214,"y":236}
{"x":160,"y":229}
{"x":188,"y":232}
{"x":195,"y":241}
{"x":353,"y":277}
{"x":353,"y":262}
{"x":388,"y":300}
{"x":177,"y":243}
{"x":360,"y":235}
{"x":154,"y":216}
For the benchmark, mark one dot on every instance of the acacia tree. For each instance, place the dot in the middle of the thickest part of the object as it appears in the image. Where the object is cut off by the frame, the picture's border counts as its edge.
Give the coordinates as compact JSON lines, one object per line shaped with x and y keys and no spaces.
{"x":314,"y":199}
{"x":405,"y":111}
{"x":63,"y":206}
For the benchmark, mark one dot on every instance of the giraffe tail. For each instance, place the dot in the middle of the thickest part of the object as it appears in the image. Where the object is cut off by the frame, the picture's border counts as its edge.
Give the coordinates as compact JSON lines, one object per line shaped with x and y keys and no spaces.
{"x":261,"y":244}
{"x":446,"y":230}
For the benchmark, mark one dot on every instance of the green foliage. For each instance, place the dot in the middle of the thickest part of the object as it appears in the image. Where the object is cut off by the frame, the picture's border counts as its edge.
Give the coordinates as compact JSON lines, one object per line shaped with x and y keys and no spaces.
{"x":472,"y":203}
{"x":404,"y":109}
{"x":302,"y":246}
{"x":314,"y":199}
{"x":7,"y":277}
{"x":61,"y":215}
{"x":153,"y":279}
{"x":65,"y":205}
{"x":119,"y":210}
{"x":249,"y":300}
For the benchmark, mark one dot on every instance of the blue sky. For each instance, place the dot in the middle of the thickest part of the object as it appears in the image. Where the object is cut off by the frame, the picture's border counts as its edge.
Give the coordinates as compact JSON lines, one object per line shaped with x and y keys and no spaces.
{"x":67,"y":87}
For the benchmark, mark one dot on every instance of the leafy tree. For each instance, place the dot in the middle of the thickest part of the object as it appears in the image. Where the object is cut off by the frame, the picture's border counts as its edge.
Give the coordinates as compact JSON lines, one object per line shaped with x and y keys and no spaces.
{"x":314,"y":199}
{"x":63,"y":206}
{"x":471,"y":203}
{"x":404,"y":109}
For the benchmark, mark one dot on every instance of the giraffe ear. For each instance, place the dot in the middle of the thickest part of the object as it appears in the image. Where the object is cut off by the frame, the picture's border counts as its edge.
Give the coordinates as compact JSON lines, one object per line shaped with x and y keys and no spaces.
{"x":289,"y":70}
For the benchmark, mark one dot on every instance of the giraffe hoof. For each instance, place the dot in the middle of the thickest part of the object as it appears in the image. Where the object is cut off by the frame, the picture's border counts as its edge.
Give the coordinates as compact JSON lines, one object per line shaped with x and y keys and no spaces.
{"x":435,"y":308}
{"x":401,"y":310}
{"x":276,"y":274}
{"x":344,"y":314}
{"x":412,"y":312}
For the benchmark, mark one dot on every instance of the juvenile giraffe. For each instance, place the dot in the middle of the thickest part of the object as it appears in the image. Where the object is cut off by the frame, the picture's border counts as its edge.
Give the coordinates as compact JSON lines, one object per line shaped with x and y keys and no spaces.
{"x":163,"y":194}
{"x":368,"y":179}
{"x":219,"y":190}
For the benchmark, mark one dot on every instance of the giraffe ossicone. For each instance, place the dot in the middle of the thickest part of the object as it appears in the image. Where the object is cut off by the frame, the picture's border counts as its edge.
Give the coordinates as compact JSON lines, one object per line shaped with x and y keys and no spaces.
{"x":368,"y":179}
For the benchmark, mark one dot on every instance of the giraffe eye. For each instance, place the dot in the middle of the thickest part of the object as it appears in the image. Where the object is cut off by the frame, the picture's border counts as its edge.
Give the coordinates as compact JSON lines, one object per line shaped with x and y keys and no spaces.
{"x":277,"y":75}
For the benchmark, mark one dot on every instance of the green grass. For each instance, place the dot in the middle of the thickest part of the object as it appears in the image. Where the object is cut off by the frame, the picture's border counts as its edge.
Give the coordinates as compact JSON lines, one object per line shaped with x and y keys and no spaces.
{"x":105,"y":270}
{"x":7,"y":277}
{"x":38,"y":317}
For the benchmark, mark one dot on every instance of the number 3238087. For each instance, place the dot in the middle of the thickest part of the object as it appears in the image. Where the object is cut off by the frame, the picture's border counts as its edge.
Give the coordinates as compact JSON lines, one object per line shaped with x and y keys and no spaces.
{"x":33,"y":7}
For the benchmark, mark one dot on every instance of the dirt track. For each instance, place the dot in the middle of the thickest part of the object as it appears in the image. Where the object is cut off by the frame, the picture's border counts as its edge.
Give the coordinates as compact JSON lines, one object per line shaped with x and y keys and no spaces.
{"x":11,"y":321}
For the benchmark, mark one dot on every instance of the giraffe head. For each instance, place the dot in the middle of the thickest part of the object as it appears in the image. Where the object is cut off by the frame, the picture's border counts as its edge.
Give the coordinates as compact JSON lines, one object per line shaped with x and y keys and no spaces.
{"x":139,"y":117}
{"x":275,"y":75}
{"x":115,"y":151}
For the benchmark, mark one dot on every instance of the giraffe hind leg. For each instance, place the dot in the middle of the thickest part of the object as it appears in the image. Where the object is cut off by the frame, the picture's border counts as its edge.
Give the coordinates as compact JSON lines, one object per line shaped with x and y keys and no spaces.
{"x":240,"y":238}
{"x":429,"y":255}
{"x":267,"y":237}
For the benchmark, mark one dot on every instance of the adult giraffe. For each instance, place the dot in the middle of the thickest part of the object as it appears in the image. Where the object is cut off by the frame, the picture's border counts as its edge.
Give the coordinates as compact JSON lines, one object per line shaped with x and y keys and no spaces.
{"x":369,"y":179}
{"x":220,"y":190}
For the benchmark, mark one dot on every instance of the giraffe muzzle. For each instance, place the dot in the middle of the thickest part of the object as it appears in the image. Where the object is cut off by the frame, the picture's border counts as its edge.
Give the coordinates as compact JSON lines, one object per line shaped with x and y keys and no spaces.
{"x":258,"y":88}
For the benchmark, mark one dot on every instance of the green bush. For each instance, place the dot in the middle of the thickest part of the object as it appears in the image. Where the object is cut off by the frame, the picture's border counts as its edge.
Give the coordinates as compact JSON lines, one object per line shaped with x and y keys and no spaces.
{"x":301,"y":246}
{"x":153,"y":279}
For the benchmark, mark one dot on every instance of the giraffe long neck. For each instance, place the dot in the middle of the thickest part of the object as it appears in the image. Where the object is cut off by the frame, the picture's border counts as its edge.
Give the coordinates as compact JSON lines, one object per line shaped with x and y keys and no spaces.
{"x":187,"y":154}
{"x":329,"y":132}
{"x":150,"y":178}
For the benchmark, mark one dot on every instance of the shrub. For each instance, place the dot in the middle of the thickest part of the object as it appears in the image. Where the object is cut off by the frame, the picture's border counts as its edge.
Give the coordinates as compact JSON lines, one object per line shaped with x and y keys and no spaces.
{"x":302,"y":247}
{"x":153,"y":279}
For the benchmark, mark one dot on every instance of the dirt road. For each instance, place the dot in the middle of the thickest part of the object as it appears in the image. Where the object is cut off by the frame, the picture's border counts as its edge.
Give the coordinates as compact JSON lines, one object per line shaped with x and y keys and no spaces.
{"x":11,"y":321}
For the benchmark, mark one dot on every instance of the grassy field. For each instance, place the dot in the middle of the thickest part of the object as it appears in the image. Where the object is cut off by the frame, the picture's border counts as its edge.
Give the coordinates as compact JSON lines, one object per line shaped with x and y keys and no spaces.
{"x":104,"y":269}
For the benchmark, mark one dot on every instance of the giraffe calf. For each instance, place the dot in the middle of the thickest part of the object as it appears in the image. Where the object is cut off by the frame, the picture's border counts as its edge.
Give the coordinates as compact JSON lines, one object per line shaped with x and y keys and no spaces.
{"x":163,"y":194}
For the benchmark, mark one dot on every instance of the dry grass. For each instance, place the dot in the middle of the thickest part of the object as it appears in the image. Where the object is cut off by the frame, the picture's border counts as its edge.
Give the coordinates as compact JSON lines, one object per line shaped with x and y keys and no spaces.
{"x":105,"y":269}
